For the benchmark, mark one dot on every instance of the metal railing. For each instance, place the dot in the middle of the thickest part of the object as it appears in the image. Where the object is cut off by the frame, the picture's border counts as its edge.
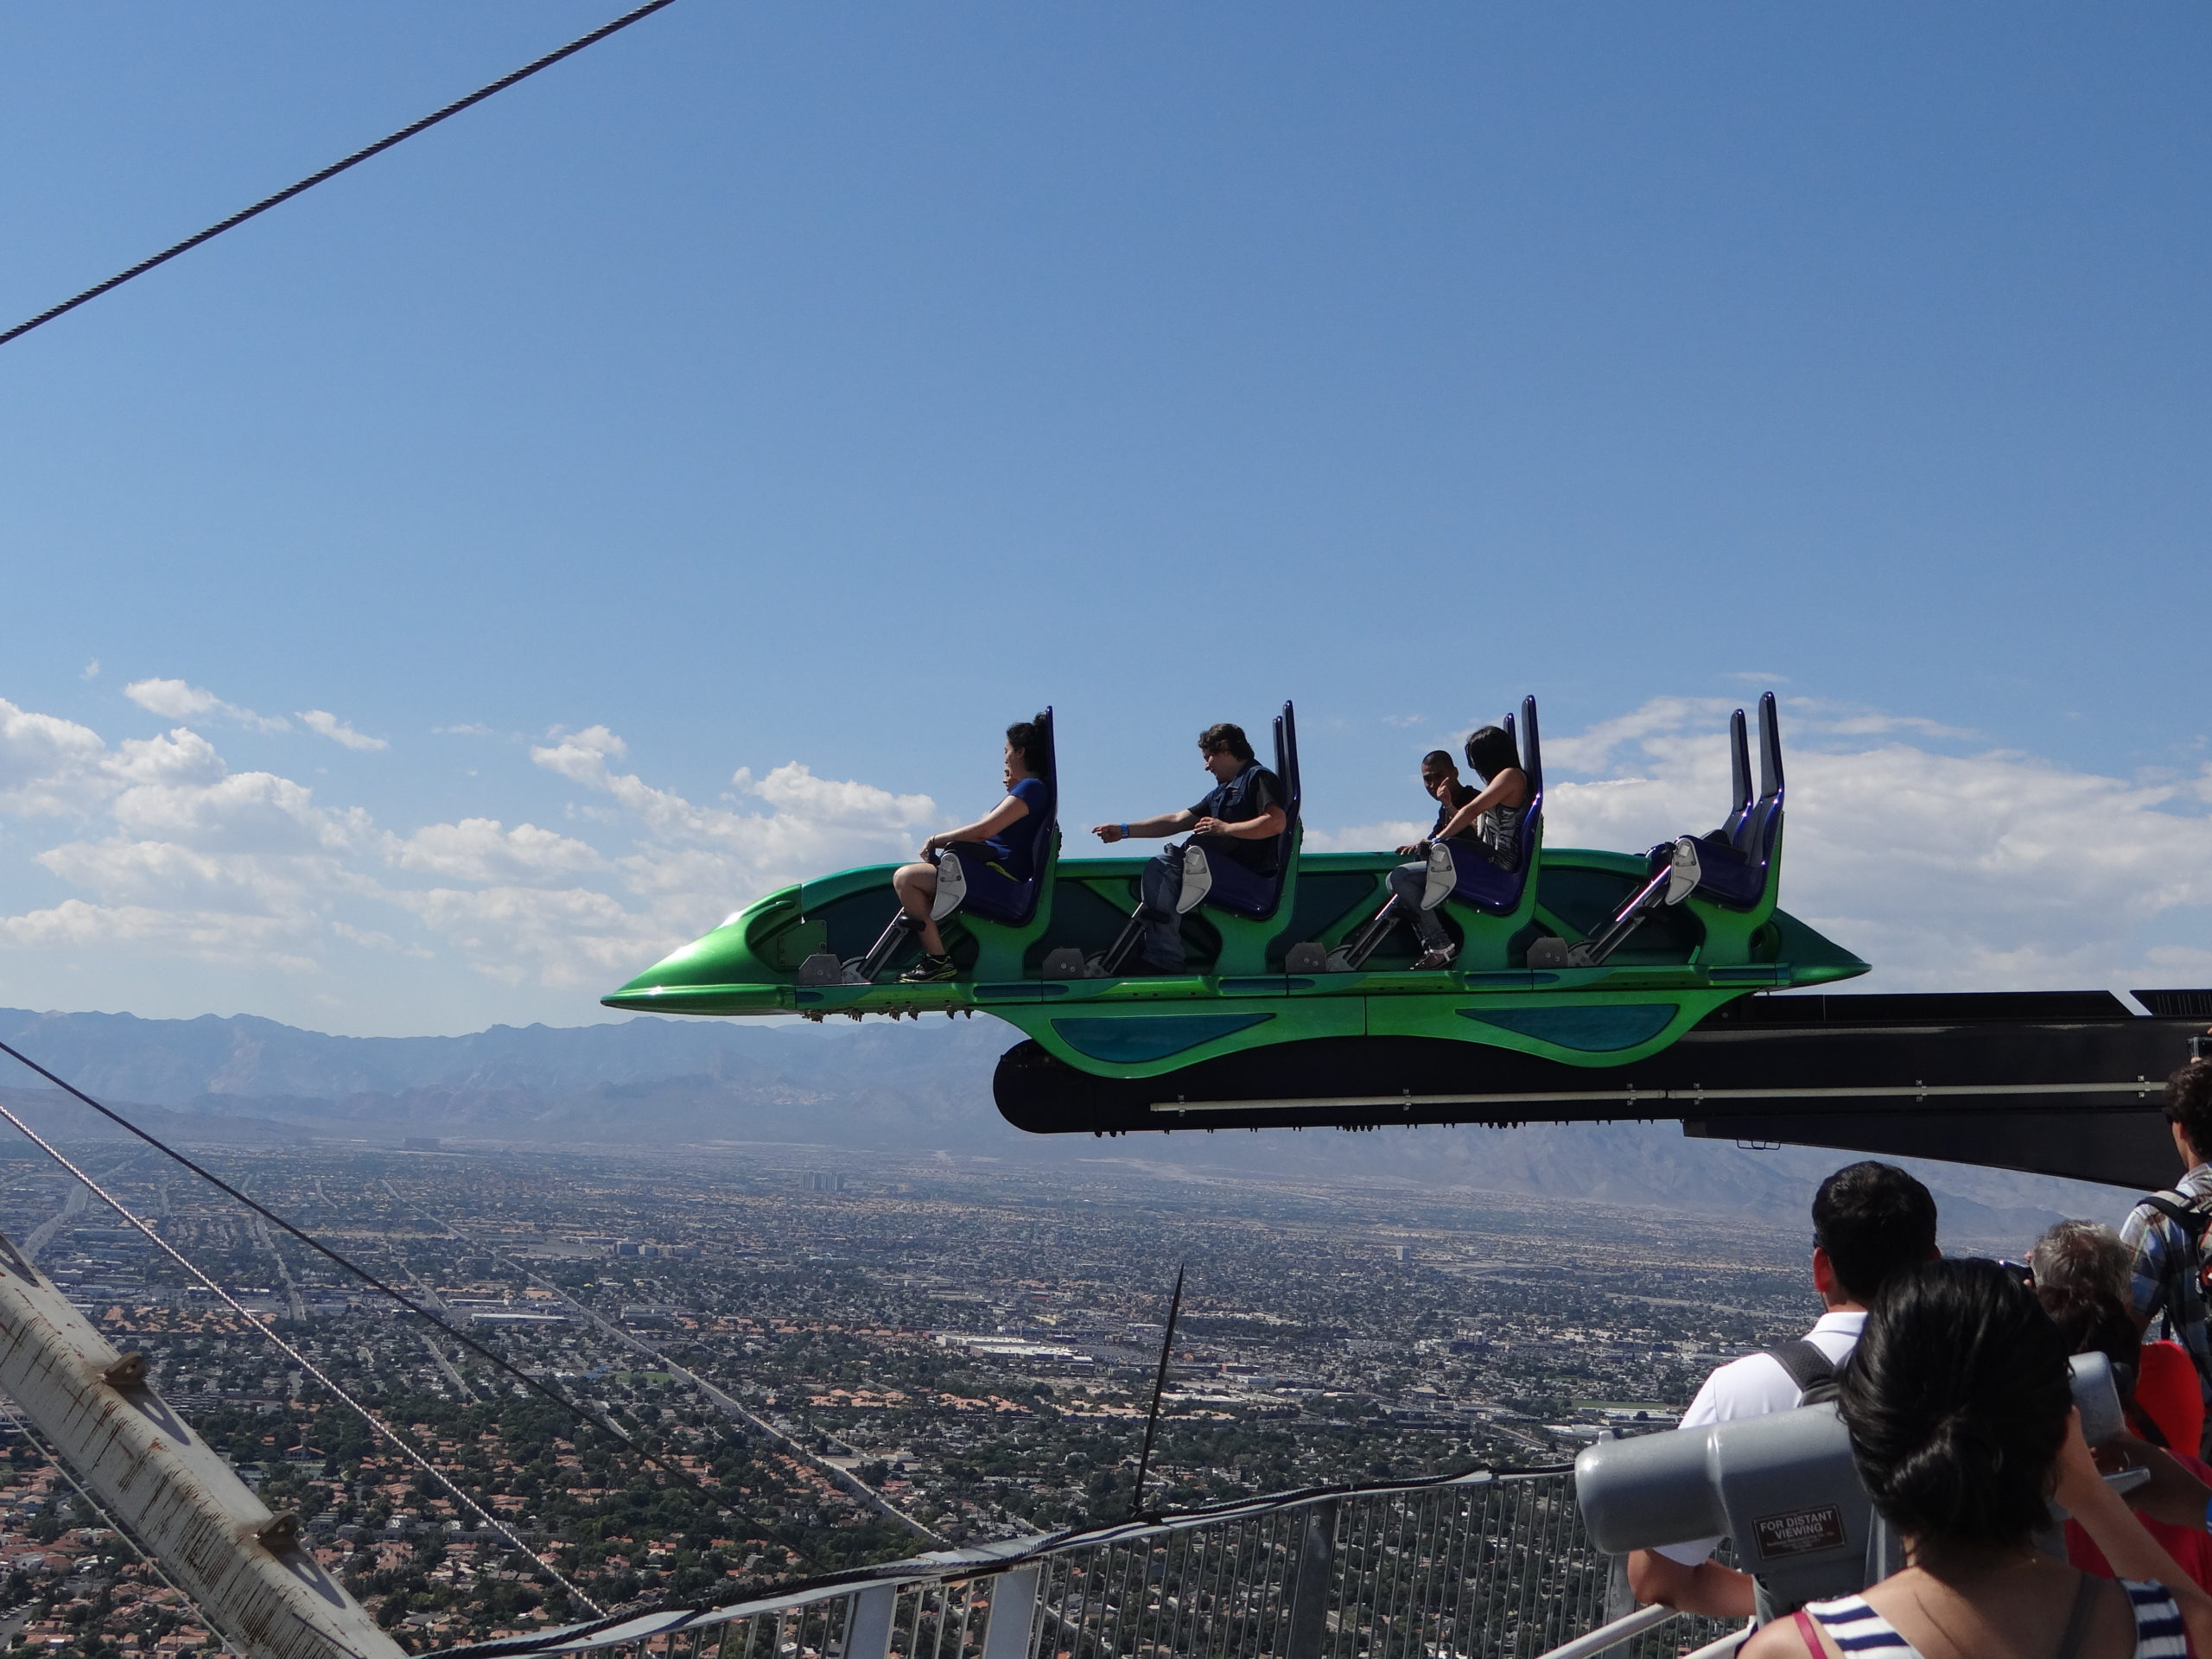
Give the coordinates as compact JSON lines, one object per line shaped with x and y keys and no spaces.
{"x":1480,"y":1566}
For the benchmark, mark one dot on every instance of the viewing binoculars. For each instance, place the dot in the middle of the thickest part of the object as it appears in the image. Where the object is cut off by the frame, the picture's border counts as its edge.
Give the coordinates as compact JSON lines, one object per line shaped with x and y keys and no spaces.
{"x":1783,"y":1486}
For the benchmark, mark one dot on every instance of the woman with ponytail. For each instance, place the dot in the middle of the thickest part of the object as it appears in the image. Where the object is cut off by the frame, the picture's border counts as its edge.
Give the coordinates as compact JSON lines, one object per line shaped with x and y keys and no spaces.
{"x":1963,"y":1426}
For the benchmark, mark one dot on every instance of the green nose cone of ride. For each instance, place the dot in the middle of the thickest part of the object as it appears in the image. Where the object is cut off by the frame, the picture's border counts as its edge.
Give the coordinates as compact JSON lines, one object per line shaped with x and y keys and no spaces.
{"x":714,"y":974}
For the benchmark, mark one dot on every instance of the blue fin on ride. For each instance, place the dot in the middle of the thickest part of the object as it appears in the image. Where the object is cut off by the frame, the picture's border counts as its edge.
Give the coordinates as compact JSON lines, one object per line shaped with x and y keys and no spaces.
{"x":1131,"y":1041}
{"x":1595,"y":1030}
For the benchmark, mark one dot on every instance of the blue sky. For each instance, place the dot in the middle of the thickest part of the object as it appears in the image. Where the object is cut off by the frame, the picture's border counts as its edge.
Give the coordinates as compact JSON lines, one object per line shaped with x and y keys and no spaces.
{"x":823,"y":386}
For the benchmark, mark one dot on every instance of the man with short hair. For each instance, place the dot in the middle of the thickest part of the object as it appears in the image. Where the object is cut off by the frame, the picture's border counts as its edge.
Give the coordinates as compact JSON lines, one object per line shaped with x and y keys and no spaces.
{"x":2161,"y":1233}
{"x":1440,"y":776}
{"x":1870,"y":1221}
{"x":1240,"y":818}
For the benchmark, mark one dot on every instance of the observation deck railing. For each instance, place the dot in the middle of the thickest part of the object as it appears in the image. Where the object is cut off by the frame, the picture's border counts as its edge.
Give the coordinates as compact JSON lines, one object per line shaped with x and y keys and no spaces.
{"x":1480,"y":1566}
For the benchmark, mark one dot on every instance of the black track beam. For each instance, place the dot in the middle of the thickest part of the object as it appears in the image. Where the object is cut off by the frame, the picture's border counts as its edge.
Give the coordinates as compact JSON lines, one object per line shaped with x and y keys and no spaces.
{"x":2063,"y":1083}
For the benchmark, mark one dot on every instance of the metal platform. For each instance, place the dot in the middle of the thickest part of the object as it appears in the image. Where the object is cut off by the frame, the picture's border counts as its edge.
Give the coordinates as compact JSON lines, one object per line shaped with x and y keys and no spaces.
{"x":1479,"y":1565}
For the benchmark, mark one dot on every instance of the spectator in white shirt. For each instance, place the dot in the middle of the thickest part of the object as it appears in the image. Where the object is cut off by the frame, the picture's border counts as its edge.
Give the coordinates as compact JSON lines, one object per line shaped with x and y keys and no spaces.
{"x":1870,"y":1221}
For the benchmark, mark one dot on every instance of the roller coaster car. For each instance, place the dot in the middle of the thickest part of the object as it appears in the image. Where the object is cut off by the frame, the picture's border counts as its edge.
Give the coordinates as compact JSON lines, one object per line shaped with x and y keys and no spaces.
{"x":1566,"y":960}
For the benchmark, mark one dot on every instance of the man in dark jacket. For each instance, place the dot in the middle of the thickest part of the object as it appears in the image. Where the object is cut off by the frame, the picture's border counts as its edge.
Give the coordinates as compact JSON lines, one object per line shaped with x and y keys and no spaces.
{"x":1240,"y":818}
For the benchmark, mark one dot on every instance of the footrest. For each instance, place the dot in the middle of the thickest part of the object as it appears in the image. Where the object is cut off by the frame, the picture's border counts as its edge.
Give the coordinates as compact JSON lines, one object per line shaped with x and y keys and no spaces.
{"x":820,"y":970}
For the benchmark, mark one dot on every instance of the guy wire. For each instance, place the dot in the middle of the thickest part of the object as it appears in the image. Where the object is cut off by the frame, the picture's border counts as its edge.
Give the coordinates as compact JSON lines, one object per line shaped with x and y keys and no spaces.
{"x":306,"y":1365}
{"x":335,"y":169}
{"x":536,"y":1385}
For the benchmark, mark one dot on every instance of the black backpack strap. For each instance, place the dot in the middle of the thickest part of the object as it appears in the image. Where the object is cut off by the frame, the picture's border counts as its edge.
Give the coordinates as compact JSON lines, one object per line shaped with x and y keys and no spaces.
{"x":1811,"y":1370}
{"x":2186,"y":1214}
{"x":2179,"y":1209}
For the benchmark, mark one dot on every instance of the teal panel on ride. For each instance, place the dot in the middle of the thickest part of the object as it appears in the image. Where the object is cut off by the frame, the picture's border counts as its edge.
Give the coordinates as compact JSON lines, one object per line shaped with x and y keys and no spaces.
{"x":1130,"y":1041}
{"x":1594,"y":1030}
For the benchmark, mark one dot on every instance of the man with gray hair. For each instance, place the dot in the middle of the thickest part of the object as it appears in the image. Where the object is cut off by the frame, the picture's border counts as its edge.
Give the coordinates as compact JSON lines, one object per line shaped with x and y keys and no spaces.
{"x":2082,"y":1255}
{"x":2089,"y":1256}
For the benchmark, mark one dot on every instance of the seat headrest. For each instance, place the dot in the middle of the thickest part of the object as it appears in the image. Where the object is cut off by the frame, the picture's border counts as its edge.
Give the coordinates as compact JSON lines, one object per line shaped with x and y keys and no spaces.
{"x":1770,"y":748}
{"x":1739,"y":763}
{"x":1532,"y":748}
{"x":1286,"y":764}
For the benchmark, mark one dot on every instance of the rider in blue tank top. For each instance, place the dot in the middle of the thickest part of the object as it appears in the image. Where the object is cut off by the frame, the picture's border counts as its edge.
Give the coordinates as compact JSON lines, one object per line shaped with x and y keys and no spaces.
{"x":1010,"y":836}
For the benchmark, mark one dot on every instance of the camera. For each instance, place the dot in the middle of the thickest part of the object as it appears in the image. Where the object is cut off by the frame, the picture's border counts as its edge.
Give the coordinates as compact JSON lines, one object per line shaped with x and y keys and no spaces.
{"x":1783,"y":1486}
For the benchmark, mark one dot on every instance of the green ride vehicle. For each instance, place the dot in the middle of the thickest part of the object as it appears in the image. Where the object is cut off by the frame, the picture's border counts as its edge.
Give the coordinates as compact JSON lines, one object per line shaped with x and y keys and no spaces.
{"x":1578,"y":958}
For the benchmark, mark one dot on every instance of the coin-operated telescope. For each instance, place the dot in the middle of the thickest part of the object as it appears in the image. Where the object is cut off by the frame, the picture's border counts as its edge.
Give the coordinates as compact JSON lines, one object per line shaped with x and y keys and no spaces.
{"x":1783,"y":1486}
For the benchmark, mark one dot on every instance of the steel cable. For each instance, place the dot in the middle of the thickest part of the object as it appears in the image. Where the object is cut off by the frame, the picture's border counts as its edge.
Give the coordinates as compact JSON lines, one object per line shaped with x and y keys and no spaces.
{"x":375,"y":1422}
{"x":535,"y":1384}
{"x":335,"y":170}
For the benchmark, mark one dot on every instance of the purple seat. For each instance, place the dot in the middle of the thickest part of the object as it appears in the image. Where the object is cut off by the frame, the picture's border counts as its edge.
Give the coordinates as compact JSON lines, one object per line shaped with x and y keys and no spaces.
{"x":1731,"y":866}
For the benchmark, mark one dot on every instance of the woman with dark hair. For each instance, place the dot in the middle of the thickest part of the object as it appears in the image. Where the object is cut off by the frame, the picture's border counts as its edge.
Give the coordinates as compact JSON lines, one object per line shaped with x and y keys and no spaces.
{"x":1479,"y":823}
{"x":1962,"y":1427}
{"x":1009,"y":856}
{"x":1488,"y":825}
{"x":1495,"y":813}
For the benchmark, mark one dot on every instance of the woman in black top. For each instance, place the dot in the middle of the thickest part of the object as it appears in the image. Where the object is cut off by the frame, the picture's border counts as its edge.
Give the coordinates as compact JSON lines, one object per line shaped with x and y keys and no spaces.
{"x":1476,"y":823}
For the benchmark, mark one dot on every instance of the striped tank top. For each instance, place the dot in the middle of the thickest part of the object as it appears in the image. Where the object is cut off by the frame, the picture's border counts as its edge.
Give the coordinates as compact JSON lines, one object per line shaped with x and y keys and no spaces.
{"x":1855,"y":1628}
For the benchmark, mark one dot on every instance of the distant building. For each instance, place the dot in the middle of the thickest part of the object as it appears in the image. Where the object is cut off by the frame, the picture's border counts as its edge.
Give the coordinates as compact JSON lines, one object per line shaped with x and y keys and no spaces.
{"x":820,"y":1181}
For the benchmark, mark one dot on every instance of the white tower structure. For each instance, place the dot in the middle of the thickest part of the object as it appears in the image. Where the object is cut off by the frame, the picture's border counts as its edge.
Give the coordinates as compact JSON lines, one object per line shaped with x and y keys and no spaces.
{"x":247,"y":1567}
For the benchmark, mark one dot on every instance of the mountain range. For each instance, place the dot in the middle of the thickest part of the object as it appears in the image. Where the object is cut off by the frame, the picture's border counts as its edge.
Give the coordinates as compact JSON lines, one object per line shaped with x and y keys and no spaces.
{"x":635,"y":1084}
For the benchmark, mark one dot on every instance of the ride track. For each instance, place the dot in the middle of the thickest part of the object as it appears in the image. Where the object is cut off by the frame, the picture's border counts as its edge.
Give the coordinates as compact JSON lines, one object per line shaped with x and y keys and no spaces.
{"x":1588,"y":987}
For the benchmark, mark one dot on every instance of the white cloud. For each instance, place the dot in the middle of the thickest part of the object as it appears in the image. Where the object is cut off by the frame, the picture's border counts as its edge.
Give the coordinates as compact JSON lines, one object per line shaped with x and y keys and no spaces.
{"x":375,"y":939}
{"x":1593,"y":750}
{"x":812,"y":823}
{"x":1821,"y":717}
{"x":181,"y":857}
{"x":91,"y":669}
{"x":1364,"y":837}
{"x":198,"y":862}
{"x":568,"y":936}
{"x":123,"y":871}
{"x":49,"y":767}
{"x":689,"y":865}
{"x":172,"y":699}
{"x":323,"y":723}
{"x":242,"y":811}
{"x":480,"y":849}
{"x":176,"y":700}
{"x":177,"y":757}
{"x":208,"y":935}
